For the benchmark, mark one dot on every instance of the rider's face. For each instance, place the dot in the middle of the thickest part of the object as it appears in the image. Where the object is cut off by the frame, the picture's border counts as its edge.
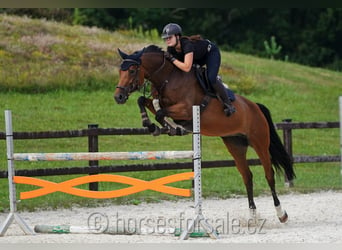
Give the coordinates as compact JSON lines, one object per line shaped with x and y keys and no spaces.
{"x":171,"y":41}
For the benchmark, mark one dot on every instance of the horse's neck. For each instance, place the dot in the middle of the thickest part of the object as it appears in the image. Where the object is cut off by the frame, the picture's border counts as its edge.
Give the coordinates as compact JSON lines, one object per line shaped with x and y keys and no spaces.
{"x":157,"y":68}
{"x":166,"y":77}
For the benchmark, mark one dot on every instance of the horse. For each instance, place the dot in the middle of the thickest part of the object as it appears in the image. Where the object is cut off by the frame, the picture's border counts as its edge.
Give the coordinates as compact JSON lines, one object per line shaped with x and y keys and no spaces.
{"x":174,"y":92}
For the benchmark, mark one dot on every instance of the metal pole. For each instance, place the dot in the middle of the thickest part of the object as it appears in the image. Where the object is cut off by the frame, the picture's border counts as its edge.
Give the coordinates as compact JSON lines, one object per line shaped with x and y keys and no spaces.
{"x":197,"y":160}
{"x":11,"y":185}
{"x":199,"y":219}
{"x":10,"y":161}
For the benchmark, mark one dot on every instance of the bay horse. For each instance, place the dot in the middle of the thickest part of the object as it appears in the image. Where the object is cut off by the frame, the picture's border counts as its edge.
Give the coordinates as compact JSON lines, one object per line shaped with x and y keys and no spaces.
{"x":177,"y":91}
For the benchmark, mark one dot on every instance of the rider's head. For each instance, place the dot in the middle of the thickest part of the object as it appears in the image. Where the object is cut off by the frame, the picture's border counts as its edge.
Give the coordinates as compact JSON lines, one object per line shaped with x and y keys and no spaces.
{"x":171,"y":34}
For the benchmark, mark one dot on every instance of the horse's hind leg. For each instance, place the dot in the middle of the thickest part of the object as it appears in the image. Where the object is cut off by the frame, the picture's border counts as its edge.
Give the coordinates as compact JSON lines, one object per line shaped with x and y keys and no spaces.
{"x":237,"y":146}
{"x":265,"y":159}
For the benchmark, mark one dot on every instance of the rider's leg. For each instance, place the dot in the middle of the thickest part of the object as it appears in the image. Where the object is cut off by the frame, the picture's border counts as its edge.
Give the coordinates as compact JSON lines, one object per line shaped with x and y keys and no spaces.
{"x":221,"y":90}
{"x":213,"y":63}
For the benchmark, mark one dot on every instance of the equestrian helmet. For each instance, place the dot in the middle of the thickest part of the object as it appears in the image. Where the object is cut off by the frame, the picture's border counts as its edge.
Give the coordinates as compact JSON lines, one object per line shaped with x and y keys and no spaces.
{"x":171,"y":29}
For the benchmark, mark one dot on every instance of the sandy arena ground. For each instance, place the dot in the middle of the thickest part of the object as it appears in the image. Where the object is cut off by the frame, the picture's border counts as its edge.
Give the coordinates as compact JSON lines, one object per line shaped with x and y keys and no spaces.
{"x":313,"y":218}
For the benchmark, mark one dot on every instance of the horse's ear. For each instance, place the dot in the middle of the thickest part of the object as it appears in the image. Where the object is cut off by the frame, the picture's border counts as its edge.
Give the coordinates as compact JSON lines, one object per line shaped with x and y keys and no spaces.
{"x":139,"y":54}
{"x":122,"y":54}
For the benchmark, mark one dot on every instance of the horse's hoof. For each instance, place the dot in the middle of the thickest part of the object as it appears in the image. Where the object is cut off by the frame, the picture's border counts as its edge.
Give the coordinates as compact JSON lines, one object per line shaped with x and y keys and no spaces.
{"x":180,"y":131}
{"x":172,"y":131}
{"x":283,"y":218}
{"x":154,"y":130}
{"x":146,"y":123}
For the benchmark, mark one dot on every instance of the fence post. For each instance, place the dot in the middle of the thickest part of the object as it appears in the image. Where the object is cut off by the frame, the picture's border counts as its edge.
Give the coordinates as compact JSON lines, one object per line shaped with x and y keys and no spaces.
{"x":287,"y":137}
{"x":93,"y":146}
{"x":340,"y":104}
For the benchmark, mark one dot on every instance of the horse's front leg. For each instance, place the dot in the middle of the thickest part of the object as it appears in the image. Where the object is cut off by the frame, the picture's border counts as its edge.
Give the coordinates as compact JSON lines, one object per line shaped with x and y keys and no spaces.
{"x":146,"y":122}
{"x":165,"y":117}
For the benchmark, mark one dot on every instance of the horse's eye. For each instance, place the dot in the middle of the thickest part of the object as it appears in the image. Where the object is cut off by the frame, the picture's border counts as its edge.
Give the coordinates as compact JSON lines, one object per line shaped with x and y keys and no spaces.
{"x":131,"y":71}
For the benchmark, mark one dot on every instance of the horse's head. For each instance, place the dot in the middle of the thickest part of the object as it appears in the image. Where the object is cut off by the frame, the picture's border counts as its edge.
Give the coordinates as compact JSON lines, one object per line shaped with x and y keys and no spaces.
{"x":131,"y":76}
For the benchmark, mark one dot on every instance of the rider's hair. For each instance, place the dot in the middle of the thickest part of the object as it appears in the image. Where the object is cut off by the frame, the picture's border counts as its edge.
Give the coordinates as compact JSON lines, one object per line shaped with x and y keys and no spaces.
{"x":194,"y":38}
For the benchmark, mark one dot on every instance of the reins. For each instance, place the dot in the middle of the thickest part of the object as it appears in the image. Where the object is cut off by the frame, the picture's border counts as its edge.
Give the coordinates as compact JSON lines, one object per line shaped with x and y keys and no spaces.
{"x":150,"y":76}
{"x":157,"y":71}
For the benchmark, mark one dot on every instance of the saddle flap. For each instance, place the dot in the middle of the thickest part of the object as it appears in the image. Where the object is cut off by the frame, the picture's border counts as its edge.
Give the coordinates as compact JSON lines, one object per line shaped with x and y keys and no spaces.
{"x":202,"y":77}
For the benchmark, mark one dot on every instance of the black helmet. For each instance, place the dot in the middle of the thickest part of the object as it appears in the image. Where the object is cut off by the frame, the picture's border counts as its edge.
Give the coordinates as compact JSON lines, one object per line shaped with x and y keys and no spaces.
{"x":171,"y":29}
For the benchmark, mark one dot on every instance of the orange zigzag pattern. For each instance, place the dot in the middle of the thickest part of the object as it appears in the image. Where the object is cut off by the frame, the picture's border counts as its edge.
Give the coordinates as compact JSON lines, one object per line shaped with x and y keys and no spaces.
{"x":137,"y":186}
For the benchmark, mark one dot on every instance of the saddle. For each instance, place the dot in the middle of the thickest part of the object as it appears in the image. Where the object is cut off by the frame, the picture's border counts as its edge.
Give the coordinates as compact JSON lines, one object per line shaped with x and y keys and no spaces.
{"x":202,"y":77}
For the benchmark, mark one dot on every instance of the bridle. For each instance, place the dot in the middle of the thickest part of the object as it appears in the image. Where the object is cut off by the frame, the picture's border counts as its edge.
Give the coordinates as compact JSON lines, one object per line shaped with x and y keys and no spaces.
{"x":135,"y":84}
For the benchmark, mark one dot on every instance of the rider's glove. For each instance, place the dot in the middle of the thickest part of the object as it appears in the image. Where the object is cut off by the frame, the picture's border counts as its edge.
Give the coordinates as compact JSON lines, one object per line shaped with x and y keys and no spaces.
{"x":169,"y":56}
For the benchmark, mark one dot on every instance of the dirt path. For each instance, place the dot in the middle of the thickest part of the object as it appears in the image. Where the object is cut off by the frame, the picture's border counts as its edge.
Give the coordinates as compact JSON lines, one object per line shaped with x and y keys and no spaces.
{"x":315,"y":217}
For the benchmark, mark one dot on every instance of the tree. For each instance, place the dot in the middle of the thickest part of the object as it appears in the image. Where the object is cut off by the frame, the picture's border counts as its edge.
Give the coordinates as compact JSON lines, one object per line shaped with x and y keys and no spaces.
{"x":311,"y":36}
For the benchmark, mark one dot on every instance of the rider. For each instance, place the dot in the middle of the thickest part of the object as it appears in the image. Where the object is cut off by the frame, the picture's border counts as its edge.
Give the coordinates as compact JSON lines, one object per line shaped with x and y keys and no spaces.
{"x":183,"y":52}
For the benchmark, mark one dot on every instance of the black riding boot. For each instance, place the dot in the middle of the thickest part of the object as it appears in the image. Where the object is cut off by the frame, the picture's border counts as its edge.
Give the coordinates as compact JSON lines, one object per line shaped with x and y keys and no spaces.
{"x":220,"y":90}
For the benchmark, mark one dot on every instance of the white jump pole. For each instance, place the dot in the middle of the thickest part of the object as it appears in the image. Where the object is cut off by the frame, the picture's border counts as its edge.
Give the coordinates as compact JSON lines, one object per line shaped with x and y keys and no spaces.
{"x":96,"y":156}
{"x":199,"y":219}
{"x":12,"y":192}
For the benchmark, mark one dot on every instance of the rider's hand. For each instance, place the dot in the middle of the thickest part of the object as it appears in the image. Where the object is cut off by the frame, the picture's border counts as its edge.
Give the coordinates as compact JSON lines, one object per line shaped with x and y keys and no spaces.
{"x":169,"y":56}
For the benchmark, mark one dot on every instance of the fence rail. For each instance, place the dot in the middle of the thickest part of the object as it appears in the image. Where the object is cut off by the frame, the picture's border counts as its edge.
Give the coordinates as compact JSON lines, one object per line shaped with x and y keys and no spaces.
{"x":94,"y":131}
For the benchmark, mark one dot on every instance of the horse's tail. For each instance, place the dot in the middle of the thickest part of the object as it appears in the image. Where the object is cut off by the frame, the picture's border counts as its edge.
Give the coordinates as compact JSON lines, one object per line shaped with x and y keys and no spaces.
{"x":279,"y":157}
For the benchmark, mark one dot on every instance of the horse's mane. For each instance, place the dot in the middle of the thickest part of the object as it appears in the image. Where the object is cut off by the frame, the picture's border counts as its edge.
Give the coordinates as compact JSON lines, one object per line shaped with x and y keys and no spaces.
{"x":153,"y":48}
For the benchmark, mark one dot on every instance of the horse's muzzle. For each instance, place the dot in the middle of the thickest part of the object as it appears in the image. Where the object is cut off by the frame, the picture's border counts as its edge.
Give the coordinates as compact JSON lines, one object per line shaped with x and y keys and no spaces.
{"x":120,"y":98}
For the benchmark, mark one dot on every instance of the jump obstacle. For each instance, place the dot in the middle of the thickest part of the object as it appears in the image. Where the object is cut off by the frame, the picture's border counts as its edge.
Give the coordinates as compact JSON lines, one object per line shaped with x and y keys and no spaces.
{"x":114,"y":230}
{"x":138,"y":185}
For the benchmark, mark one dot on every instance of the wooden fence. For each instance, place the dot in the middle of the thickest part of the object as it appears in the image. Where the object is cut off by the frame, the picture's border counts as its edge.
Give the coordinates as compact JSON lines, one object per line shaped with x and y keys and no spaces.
{"x":93,"y":132}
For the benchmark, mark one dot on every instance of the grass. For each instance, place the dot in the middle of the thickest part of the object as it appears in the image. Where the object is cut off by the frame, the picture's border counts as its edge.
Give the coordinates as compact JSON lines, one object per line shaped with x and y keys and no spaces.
{"x":66,"y":78}
{"x":60,"y":56}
